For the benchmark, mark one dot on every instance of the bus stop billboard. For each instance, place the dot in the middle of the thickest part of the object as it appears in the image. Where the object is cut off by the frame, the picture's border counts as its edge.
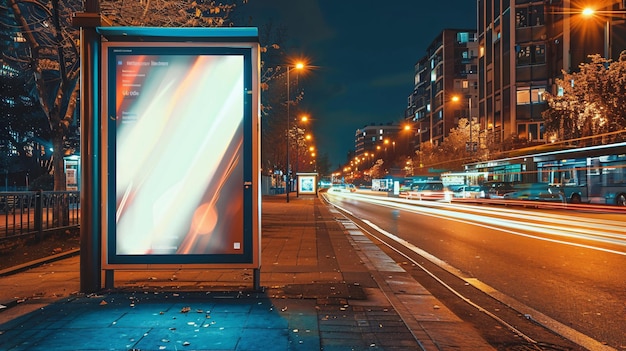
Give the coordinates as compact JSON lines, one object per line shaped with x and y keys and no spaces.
{"x":180,"y":141}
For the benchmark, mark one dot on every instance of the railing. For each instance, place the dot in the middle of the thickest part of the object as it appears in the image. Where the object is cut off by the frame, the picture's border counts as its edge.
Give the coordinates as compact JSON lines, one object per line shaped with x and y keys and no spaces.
{"x":34,"y":213}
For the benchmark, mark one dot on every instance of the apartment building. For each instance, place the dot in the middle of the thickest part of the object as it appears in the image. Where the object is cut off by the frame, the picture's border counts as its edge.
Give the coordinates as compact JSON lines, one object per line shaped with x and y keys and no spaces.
{"x":523,"y":46}
{"x":501,"y":71}
{"x":374,"y":138}
{"x":445,"y":86}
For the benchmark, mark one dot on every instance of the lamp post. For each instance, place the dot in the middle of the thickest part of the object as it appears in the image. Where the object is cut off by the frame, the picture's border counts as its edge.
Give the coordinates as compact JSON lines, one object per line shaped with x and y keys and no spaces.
{"x":306,"y":137}
{"x":589,"y":12}
{"x":302,"y":119}
{"x":471,"y":124}
{"x":287,"y":175}
{"x":470,"y":121}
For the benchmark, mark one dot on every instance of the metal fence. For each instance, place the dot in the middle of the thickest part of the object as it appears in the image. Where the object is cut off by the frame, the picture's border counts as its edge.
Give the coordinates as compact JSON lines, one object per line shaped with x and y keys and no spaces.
{"x":28,"y":213}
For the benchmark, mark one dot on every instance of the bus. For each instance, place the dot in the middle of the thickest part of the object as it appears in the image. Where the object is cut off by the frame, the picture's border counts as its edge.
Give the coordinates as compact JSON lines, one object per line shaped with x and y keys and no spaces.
{"x":592,"y":174}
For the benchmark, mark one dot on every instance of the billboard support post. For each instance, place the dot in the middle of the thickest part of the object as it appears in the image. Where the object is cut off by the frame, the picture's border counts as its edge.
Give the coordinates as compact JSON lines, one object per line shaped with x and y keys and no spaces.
{"x":89,"y":190}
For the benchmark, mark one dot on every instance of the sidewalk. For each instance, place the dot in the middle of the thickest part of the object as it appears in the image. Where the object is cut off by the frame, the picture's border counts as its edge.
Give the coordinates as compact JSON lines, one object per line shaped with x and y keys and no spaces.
{"x":326,"y":287}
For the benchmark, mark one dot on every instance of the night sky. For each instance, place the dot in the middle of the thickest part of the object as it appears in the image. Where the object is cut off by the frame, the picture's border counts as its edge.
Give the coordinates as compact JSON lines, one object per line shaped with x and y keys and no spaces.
{"x":364,"y":54}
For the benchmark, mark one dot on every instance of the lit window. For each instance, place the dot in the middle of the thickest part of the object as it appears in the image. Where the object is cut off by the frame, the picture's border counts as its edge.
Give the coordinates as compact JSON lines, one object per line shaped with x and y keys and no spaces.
{"x":531,"y":55}
{"x":523,"y":97}
{"x":462,"y":37}
{"x":527,"y":96}
{"x":465,"y":84}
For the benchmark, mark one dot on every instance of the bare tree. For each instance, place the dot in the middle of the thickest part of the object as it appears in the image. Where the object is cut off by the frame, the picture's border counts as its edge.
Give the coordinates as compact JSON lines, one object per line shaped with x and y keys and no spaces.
{"x":54,"y":64}
{"x":53,"y":55}
{"x":169,"y":13}
{"x":52,"y":60}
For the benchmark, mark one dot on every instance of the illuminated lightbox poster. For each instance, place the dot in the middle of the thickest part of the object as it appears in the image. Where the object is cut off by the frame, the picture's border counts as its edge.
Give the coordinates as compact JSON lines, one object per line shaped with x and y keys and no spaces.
{"x":307,"y":183}
{"x":181,"y":153}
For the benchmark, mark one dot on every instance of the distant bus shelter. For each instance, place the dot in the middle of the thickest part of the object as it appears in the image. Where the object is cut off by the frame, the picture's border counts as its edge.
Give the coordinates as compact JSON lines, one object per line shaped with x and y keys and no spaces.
{"x":307,"y":183}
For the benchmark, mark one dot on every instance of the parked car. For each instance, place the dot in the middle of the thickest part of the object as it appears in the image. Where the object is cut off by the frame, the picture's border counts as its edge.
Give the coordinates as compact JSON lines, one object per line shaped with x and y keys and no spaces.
{"x":430,"y":191}
{"x":466,"y":192}
{"x":536,"y":192}
{"x":495,"y":189}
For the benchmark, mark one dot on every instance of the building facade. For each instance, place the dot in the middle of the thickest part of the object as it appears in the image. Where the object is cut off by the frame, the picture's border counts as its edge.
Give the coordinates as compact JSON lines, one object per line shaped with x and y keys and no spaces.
{"x":524,"y":45}
{"x":445,"y":86}
{"x":373,"y":139}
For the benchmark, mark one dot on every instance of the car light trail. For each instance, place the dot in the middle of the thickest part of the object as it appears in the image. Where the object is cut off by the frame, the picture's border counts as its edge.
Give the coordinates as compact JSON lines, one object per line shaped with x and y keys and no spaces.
{"x":515,"y":222}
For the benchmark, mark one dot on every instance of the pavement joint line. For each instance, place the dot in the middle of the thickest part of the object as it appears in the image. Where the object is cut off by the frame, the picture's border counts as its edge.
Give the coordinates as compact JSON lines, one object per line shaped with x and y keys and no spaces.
{"x":412,"y":324}
{"x":381,"y":275}
{"x":402,"y":311}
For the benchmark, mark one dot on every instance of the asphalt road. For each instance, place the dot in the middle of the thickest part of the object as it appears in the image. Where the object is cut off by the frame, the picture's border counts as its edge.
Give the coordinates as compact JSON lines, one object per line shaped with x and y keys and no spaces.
{"x":567,"y":265}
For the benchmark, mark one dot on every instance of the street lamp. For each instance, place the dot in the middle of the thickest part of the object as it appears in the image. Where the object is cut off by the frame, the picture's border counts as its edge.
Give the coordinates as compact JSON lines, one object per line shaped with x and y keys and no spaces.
{"x":470,"y":121}
{"x":306,"y":137}
{"x":303,"y":119}
{"x":589,"y":13}
{"x":298,"y":65}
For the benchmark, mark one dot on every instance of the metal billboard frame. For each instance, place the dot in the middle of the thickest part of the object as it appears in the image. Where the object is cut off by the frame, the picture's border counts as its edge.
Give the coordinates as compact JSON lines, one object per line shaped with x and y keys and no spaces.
{"x":176,"y":46}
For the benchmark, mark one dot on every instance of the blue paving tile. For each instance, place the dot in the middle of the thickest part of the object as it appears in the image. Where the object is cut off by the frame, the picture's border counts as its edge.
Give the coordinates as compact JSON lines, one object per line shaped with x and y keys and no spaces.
{"x":303,"y":321}
{"x":178,"y":320}
{"x":240,"y":307}
{"x":266,"y":320}
{"x":264,"y":339}
{"x":13,"y":339}
{"x":229,"y":319}
{"x":78,"y":339}
{"x":90,"y":319}
{"x":207,"y":338}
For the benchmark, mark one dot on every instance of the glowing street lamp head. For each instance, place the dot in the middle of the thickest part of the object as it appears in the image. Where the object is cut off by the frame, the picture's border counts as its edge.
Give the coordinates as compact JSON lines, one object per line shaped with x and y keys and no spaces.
{"x":299,"y":65}
{"x":588,"y":11}
{"x":456,"y":98}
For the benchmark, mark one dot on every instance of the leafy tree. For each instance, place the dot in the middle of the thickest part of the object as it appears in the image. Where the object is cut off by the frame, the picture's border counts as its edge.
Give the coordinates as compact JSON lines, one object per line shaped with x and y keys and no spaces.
{"x":378,"y":171}
{"x":593,"y":100}
{"x":455,"y":150}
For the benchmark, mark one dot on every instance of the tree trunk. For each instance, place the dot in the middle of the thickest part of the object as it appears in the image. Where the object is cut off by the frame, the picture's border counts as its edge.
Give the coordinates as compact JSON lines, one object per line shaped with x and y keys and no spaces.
{"x":60,"y":212}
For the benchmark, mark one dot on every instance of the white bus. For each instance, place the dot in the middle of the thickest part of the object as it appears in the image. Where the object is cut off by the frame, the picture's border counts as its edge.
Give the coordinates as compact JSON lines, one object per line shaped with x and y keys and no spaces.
{"x":594,"y":174}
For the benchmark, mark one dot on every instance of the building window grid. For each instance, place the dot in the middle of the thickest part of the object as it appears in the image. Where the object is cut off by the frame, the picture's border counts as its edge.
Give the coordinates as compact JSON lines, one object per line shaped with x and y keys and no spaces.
{"x":531,"y":55}
{"x":530,"y":16}
{"x":526,"y":96}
